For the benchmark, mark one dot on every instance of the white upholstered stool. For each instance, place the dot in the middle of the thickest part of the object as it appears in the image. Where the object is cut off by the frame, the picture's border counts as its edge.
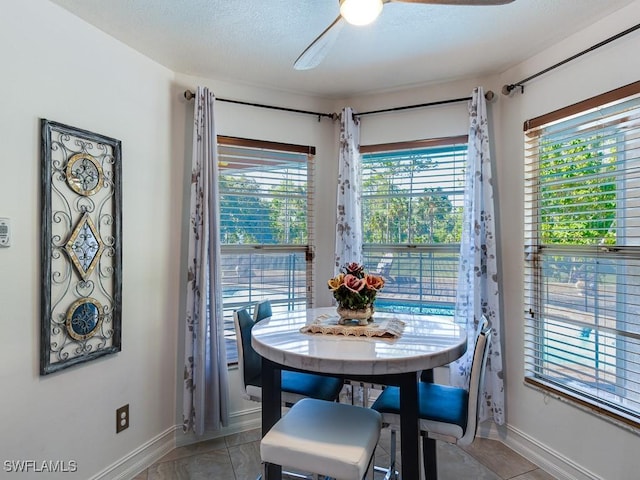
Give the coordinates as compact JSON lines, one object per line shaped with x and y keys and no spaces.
{"x":333,"y":439}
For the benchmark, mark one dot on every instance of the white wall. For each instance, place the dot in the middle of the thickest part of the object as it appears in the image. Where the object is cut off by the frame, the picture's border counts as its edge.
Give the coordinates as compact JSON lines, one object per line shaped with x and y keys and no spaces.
{"x":57,"y":67}
{"x":597,"y":448}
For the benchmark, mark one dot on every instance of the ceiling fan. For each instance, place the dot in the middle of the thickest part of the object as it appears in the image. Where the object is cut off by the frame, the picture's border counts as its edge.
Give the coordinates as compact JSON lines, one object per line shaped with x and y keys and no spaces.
{"x":363,"y":12}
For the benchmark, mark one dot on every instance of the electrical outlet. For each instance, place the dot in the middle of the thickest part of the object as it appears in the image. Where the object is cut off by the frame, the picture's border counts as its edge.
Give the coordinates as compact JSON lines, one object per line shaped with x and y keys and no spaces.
{"x":122,"y":418}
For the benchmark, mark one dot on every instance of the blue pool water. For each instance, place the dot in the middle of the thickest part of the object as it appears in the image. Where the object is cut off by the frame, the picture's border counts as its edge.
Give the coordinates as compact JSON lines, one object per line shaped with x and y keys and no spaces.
{"x":402,"y":307}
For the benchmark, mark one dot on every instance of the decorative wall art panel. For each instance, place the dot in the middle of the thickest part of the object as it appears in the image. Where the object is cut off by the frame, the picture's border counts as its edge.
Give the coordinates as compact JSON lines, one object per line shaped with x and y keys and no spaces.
{"x":81,"y":246}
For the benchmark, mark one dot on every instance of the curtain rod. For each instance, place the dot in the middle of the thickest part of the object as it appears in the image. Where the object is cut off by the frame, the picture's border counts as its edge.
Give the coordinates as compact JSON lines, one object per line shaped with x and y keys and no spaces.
{"x":189,"y":95}
{"x":507,"y":89}
{"x":488,"y":96}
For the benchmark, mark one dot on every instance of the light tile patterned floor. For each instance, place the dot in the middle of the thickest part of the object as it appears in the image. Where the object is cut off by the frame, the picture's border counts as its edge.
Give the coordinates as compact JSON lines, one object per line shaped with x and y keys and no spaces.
{"x":237,"y":457}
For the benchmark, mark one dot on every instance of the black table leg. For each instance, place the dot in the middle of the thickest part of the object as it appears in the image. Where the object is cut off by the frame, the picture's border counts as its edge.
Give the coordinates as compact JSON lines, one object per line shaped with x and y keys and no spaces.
{"x":429,"y":444}
{"x":430,"y":460}
{"x":271,"y":407}
{"x":426,"y":376}
{"x":409,"y":446}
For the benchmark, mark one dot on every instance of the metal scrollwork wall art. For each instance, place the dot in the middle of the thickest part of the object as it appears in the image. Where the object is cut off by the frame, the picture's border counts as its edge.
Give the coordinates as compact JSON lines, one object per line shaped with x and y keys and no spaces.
{"x":81,"y":246}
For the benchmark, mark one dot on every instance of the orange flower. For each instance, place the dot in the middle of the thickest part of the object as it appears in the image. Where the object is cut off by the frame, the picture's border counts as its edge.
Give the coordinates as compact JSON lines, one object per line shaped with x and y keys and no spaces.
{"x":374,"y":282}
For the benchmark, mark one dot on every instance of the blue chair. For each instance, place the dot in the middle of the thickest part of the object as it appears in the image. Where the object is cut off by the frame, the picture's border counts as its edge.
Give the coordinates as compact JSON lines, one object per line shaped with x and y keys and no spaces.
{"x":295,"y":385}
{"x":446,"y":413}
{"x":262,"y":310}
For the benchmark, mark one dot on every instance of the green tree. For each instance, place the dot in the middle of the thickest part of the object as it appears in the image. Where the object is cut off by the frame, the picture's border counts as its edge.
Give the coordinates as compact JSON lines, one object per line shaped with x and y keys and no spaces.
{"x":396,"y":211}
{"x":288,"y":213}
{"x":435,"y":219}
{"x":578,"y":199}
{"x":244,"y":215}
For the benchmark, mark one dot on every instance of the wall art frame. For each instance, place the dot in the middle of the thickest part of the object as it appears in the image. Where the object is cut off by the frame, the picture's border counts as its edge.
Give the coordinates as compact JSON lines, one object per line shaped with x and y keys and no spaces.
{"x":81,"y":251}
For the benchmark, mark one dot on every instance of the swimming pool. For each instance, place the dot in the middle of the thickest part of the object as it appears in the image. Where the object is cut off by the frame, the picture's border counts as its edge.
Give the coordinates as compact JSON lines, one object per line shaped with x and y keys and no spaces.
{"x":387,"y":305}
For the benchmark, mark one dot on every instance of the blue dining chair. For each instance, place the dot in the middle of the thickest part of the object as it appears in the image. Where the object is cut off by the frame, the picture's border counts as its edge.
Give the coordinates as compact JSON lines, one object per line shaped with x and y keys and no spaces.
{"x":262,"y":310}
{"x":295,"y":385}
{"x":446,"y":413}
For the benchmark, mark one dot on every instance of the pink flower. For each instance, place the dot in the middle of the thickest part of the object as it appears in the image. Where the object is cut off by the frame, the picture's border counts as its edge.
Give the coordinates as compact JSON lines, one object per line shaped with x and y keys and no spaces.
{"x":355,"y":268}
{"x":353,"y":283}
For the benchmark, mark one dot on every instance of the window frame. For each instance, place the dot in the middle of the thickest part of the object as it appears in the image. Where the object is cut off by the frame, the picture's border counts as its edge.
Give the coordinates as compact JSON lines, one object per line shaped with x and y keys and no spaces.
{"x":436,"y":298}
{"x":264,"y":250}
{"x":538,"y":257}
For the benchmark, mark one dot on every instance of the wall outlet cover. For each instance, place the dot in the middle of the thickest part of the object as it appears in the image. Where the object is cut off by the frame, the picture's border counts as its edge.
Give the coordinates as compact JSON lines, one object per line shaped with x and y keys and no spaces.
{"x":122,"y":418}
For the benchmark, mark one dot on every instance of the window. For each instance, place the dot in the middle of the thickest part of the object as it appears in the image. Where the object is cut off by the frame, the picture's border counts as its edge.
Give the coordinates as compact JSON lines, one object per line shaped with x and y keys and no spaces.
{"x":582,"y":253}
{"x":412,"y":197}
{"x":265,"y":191}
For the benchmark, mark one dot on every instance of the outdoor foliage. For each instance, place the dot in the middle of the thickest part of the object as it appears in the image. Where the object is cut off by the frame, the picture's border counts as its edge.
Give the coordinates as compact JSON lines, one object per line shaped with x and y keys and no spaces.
{"x":243,"y":213}
{"x":401,"y":205}
{"x":405,"y":203}
{"x":578,"y":205}
{"x":288,"y":213}
{"x":251,"y":213}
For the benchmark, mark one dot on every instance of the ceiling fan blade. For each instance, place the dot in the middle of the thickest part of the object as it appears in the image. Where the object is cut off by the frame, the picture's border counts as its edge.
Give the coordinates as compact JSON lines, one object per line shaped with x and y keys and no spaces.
{"x":456,"y":2}
{"x":315,"y":53}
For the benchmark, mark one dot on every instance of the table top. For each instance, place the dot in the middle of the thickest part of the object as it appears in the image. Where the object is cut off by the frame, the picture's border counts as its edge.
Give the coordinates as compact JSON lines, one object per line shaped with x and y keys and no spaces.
{"x":428,"y":341}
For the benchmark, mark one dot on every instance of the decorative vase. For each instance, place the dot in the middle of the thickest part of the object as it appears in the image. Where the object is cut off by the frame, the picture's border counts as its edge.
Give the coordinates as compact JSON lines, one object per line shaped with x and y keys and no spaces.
{"x":361,"y":315}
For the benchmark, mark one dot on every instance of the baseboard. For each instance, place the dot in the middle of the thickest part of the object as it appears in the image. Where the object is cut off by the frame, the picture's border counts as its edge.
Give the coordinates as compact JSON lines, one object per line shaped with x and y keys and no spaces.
{"x":144,"y":456}
{"x":156,"y":448}
{"x":240,"y":421}
{"x":557,"y":465}
{"x":554,"y":463}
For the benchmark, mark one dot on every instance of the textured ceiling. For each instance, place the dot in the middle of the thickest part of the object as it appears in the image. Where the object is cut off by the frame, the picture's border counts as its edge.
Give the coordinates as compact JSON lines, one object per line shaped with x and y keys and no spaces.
{"x":256,"y":41}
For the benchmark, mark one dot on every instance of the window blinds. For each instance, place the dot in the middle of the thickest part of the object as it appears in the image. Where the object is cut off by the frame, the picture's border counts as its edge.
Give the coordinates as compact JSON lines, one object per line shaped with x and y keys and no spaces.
{"x":264,"y":196}
{"x":412,"y":200}
{"x":266,"y":193}
{"x":582,"y":253}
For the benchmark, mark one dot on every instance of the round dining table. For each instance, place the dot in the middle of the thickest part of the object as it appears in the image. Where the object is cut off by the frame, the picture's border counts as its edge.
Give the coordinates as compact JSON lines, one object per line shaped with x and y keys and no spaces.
{"x":427,"y":341}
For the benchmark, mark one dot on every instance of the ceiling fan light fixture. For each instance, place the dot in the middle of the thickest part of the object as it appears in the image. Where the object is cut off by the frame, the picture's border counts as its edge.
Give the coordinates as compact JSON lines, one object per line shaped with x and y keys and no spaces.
{"x":360,"y":12}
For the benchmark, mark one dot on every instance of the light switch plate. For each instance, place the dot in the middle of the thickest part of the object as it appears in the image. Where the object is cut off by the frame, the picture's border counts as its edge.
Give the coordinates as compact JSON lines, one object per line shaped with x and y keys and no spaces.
{"x":5,"y":232}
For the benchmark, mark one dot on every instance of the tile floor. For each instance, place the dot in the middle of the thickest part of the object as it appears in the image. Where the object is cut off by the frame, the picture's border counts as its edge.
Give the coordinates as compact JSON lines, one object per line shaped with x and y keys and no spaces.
{"x":237,"y":457}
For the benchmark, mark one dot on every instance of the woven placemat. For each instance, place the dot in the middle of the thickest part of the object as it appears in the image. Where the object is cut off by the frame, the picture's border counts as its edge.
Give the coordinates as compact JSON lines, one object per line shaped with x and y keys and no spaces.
{"x":383,"y":327}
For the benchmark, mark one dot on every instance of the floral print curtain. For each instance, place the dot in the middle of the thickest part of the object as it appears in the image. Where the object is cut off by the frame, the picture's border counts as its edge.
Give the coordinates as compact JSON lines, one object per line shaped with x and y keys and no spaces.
{"x":206,"y":385}
{"x":349,"y":215}
{"x":478,"y":288}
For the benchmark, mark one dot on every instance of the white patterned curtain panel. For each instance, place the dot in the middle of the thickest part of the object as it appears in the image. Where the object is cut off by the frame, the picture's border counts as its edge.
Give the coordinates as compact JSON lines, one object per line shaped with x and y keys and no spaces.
{"x":478,"y":288}
{"x":206,"y":384}
{"x":349,"y":215}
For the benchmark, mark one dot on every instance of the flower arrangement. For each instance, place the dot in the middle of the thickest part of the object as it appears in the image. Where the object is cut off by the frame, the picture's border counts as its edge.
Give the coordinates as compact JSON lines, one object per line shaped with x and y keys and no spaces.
{"x":355,"y":289}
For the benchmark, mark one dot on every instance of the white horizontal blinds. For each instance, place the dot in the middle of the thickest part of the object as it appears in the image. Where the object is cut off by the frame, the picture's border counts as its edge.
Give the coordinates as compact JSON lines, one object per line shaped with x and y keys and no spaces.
{"x":263,"y":196}
{"x":413,"y":196}
{"x":582,"y":252}
{"x":266,"y":199}
{"x":412,"y":201}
